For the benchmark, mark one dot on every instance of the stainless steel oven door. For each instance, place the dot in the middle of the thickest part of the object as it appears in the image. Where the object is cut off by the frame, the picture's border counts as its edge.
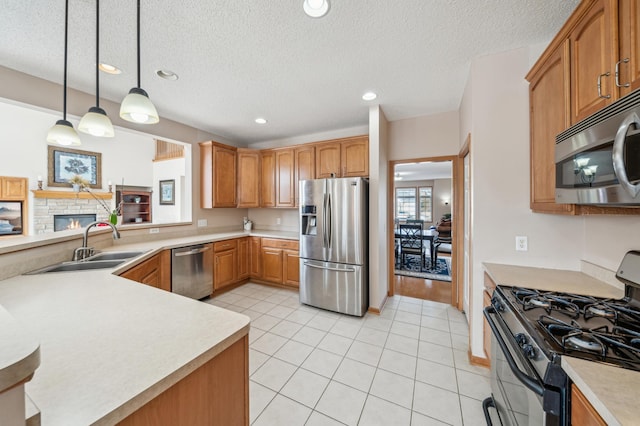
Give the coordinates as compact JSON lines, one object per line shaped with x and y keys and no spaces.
{"x":516,"y":386}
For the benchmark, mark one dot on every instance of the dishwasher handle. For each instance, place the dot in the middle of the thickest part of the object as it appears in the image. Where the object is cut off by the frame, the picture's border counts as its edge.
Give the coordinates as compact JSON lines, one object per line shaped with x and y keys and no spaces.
{"x":192,"y":252}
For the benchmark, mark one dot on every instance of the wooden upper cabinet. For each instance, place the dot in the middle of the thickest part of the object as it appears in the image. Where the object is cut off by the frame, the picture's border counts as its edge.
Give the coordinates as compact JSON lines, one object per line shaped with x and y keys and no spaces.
{"x":343,"y":157}
{"x":592,"y":60}
{"x":328,"y":160}
{"x":305,"y":164}
{"x":248,"y":178}
{"x":629,"y":56}
{"x":285,"y":175}
{"x":549,"y":115}
{"x":355,"y":156}
{"x":268,"y":178}
{"x":13,"y":188}
{"x":217,"y":175}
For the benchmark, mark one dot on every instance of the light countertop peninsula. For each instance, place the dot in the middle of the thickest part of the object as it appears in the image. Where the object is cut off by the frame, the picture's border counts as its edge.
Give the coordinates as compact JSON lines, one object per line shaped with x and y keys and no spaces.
{"x":109,"y":345}
{"x":612,"y":391}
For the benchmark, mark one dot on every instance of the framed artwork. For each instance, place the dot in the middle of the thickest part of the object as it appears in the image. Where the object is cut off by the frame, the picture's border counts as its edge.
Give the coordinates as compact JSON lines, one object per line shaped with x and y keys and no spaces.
{"x":168,"y":192}
{"x":10,"y":217}
{"x":65,"y":163}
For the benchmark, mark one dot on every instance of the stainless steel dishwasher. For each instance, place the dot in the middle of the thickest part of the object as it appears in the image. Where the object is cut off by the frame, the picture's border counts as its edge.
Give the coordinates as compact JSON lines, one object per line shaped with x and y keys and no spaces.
{"x":192,"y":271}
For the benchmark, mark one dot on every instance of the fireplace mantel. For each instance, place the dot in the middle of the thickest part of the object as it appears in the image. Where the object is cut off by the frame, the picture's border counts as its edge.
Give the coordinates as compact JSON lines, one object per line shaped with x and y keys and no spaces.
{"x":45,"y":193}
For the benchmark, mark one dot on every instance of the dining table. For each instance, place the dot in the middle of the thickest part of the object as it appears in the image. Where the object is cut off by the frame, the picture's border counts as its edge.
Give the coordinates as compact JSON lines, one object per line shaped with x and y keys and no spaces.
{"x":430,"y":235}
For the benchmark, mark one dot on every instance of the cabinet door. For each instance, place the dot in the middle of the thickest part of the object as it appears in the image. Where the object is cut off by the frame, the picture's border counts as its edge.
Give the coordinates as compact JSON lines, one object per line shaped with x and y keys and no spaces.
{"x":582,"y":412}
{"x":224,"y":268}
{"x":355,"y":157}
{"x":305,"y":164}
{"x":154,"y":271}
{"x":272,"y":264}
{"x":328,"y":160}
{"x":224,"y":180}
{"x":592,"y":58}
{"x":291,"y":268}
{"x":248,"y":178}
{"x":549,"y":115}
{"x":268,"y":179}
{"x":256,"y":253}
{"x":243,"y":258}
{"x":13,"y":188}
{"x":285,"y":190}
{"x":629,"y":26}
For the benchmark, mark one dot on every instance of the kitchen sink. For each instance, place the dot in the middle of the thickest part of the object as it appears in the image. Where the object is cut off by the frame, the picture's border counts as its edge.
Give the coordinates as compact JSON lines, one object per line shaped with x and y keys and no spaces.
{"x":78,"y":266}
{"x":113,"y":255}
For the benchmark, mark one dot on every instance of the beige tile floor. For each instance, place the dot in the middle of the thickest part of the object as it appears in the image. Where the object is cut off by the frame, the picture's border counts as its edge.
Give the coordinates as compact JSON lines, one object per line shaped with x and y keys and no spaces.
{"x":407,"y":366}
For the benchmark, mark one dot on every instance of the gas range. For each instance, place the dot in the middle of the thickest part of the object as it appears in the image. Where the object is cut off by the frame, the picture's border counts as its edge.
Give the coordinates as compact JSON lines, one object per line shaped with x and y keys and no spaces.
{"x":604,"y":330}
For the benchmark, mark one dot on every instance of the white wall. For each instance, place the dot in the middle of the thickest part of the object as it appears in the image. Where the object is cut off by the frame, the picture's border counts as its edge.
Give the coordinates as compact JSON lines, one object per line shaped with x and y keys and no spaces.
{"x":378,"y":215}
{"x":267,"y":219}
{"x":169,"y":170}
{"x":495,"y":110}
{"x":426,"y":136}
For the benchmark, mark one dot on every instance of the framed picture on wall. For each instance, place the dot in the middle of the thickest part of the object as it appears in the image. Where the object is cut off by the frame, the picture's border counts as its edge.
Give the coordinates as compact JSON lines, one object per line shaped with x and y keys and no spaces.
{"x":168,"y":192}
{"x":65,"y":163}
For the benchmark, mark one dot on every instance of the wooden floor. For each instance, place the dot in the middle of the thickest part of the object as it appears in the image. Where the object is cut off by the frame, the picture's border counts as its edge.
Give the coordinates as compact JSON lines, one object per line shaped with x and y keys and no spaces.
{"x":437,"y":291}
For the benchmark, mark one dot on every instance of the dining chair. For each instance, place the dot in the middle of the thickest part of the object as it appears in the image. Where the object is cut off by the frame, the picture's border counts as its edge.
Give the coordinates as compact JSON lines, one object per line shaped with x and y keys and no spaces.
{"x":411,"y":241}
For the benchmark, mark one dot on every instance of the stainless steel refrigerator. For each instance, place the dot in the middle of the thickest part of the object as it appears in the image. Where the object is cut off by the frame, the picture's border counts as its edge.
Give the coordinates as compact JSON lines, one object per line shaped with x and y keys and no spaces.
{"x":334,"y":249}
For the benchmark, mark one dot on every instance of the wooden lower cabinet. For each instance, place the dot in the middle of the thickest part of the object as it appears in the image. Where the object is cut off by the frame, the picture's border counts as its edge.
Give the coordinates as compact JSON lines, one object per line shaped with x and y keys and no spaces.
{"x":255,"y":248}
{"x":279,"y":262}
{"x":224,"y":263}
{"x":155,"y":271}
{"x":582,"y":412}
{"x":291,"y":268}
{"x":272,"y":264}
{"x":217,"y":393}
{"x":243,"y":258}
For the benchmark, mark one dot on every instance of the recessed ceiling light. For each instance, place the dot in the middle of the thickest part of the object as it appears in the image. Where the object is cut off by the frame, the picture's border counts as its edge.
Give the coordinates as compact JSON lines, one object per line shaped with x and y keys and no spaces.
{"x":109,"y":69}
{"x":261,"y":120}
{"x":167,"y":75}
{"x":369,"y":96}
{"x":315,"y":8}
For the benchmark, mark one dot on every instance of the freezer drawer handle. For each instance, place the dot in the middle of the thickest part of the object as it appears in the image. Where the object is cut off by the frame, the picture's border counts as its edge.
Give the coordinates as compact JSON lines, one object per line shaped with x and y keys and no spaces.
{"x":192,"y":252}
{"x":526,"y":380}
{"x":329,"y":269}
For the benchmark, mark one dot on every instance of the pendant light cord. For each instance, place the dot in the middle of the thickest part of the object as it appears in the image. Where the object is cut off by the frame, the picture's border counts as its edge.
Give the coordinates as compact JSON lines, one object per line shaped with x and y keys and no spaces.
{"x":66,"y":29}
{"x":138,"y":34}
{"x":97,"y":53}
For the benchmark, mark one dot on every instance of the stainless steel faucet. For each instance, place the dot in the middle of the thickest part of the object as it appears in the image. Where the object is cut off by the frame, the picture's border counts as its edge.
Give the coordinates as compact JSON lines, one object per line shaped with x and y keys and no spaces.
{"x":86,"y":251}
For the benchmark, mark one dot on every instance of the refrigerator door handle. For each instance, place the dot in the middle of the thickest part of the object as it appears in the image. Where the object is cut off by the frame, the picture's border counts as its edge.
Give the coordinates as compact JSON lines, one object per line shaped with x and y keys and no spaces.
{"x":324,"y":221}
{"x":329,"y":224}
{"x":311,"y":265}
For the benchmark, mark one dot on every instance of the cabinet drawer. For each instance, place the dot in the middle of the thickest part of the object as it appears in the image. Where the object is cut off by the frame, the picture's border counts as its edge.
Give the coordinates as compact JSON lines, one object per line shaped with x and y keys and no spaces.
{"x":285,"y":244}
{"x":225,"y":245}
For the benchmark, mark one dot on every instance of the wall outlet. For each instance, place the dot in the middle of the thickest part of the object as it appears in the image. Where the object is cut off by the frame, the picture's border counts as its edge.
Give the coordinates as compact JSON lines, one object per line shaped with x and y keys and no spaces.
{"x":154,"y":230}
{"x":202,"y":222}
{"x":278,"y":221}
{"x":521,"y":243}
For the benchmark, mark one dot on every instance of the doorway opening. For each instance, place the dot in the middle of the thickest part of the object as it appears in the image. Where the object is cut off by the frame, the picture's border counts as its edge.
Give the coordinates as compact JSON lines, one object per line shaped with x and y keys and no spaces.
{"x":423,"y":258}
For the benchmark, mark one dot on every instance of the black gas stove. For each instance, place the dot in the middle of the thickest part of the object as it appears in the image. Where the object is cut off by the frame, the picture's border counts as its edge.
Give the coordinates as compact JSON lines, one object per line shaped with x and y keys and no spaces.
{"x":533,"y":329}
{"x":605,"y":330}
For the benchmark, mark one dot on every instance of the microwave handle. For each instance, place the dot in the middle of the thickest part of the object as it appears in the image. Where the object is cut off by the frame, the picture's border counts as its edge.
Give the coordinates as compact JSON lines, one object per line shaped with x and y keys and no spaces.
{"x":617,"y":154}
{"x":524,"y":378}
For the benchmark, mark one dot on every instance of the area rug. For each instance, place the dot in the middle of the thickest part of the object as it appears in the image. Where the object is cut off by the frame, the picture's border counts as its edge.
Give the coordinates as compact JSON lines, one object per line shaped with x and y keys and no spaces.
{"x":413,"y":268}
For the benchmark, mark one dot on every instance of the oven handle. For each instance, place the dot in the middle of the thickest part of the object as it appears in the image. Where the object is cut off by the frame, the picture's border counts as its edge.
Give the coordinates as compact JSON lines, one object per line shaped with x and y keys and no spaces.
{"x":527,"y":380}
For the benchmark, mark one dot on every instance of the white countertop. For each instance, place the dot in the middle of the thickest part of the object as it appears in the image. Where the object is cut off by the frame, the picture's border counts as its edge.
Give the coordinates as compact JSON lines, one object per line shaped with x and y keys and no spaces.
{"x":19,"y":351}
{"x":613,"y":391}
{"x":108,"y":344}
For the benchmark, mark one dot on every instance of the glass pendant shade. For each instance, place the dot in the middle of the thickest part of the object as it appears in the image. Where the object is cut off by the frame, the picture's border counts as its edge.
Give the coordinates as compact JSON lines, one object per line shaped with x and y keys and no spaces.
{"x":63,"y":133}
{"x":315,"y":8}
{"x":96,"y":123}
{"x":138,"y":108}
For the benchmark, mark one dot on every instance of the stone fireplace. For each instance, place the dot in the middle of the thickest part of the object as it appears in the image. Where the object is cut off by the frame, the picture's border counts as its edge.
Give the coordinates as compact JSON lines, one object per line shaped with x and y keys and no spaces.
{"x":48,"y":209}
{"x":63,"y":222}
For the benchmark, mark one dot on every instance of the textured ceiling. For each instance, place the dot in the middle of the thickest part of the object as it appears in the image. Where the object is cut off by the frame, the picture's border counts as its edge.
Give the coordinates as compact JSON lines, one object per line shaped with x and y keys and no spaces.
{"x":240,"y":59}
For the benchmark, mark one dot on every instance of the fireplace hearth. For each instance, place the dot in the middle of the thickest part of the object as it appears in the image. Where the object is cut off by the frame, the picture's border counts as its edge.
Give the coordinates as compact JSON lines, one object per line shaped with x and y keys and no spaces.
{"x":63,"y":222}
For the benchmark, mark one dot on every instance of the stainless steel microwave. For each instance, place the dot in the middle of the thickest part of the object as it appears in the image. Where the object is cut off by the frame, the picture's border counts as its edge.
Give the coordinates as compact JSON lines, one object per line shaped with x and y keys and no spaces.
{"x":598,"y":159}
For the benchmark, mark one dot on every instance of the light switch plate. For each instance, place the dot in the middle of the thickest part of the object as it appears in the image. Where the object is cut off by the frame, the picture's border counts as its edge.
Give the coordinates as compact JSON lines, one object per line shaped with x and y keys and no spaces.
{"x":154,"y":230}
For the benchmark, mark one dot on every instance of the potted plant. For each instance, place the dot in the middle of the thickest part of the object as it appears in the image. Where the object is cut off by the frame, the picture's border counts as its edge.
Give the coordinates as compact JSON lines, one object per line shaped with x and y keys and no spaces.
{"x":78,"y":182}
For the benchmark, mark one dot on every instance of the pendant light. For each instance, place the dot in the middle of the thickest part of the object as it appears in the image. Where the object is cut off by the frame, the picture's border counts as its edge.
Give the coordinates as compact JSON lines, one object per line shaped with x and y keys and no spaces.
{"x":95,"y":122}
{"x":136,"y":106}
{"x":63,"y":132}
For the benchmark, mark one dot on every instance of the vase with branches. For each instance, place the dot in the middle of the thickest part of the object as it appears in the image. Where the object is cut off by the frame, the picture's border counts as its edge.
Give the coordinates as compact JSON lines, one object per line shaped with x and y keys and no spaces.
{"x":113,"y":213}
